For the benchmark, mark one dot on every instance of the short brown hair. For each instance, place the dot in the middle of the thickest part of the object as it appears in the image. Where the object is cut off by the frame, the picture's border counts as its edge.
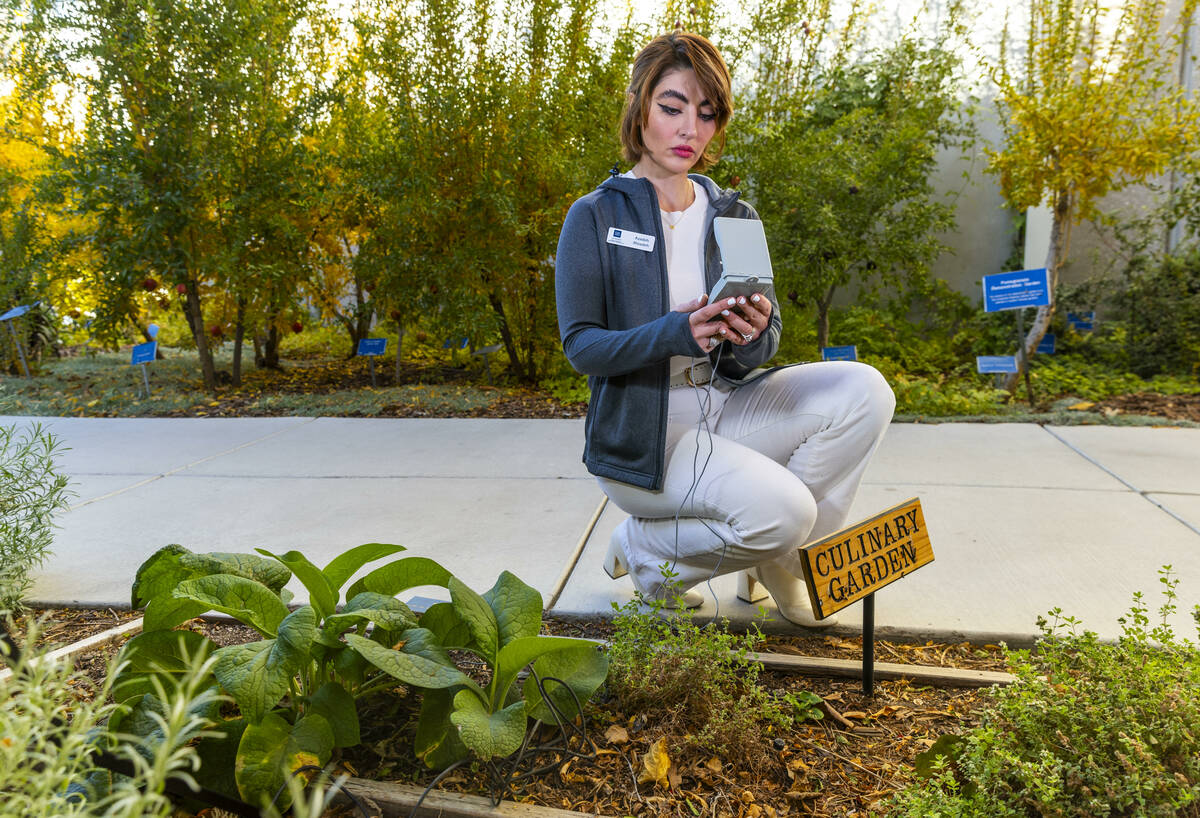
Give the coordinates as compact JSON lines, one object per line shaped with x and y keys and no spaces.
{"x":667,"y":53}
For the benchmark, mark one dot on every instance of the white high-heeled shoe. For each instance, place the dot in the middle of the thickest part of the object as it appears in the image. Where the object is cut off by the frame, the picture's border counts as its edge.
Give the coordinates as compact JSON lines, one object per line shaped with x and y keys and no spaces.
{"x":616,"y":567}
{"x":788,"y":591}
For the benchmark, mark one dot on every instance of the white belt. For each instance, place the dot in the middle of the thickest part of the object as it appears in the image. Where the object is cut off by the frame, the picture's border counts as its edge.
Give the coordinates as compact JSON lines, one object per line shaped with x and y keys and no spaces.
{"x":696,"y":375}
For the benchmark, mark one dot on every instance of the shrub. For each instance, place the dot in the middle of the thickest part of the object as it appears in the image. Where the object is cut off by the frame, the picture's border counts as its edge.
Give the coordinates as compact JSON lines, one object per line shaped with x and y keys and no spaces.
{"x":1161,"y":305}
{"x":50,"y":717}
{"x":31,"y":491}
{"x":1089,"y":729}
{"x":697,"y":682}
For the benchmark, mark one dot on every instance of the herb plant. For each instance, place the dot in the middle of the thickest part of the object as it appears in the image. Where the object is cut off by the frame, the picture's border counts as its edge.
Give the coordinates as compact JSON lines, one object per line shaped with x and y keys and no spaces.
{"x":31,"y":492}
{"x":1088,"y":729}
{"x":698,"y":682}
{"x":296,"y":689}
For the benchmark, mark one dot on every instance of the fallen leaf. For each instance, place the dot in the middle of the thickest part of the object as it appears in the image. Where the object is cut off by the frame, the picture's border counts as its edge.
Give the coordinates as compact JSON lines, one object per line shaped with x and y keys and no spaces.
{"x":616,"y":734}
{"x":655,"y":764}
{"x":855,"y":714}
{"x":1082,"y":406}
{"x":714,"y":765}
{"x":674,"y":778}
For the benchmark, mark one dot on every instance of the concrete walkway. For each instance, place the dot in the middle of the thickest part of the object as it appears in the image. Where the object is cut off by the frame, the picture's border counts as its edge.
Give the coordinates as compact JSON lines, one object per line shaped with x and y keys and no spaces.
{"x":1023,"y":518}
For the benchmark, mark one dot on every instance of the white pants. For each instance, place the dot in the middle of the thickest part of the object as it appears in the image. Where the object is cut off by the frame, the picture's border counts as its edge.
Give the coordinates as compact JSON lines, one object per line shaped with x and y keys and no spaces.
{"x":780,"y":468}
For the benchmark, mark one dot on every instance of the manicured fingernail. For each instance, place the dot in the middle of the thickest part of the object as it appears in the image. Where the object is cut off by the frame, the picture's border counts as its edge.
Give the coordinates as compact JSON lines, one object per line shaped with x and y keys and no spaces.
{"x":732,"y":302}
{"x":754,"y":298}
{"x":741,"y":300}
{"x":724,"y":312}
{"x":722,"y":330}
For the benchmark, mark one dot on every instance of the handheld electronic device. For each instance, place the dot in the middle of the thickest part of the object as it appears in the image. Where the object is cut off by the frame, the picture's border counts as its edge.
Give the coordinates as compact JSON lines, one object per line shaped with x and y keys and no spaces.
{"x":745,"y":260}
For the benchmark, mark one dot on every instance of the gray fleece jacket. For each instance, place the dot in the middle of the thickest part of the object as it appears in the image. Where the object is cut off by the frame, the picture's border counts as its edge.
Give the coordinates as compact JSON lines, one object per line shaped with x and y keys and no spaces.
{"x":617,"y":327}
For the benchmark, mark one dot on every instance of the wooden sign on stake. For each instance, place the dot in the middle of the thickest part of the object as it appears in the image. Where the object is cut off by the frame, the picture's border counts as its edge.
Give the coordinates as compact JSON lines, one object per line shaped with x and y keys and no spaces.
{"x":853,"y":563}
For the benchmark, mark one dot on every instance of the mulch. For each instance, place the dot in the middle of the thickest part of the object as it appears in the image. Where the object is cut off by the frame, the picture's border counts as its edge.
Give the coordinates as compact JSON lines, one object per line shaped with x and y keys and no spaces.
{"x":847,"y":764}
{"x":1172,"y":407}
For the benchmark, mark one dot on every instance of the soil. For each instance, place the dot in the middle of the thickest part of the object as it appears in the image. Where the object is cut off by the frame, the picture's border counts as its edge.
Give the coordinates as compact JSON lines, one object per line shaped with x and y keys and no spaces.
{"x":846,"y":764}
{"x":1172,"y":407}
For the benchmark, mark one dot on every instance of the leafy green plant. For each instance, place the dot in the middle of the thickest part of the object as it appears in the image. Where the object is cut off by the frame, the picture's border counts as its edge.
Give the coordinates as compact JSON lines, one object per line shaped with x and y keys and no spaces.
{"x":54,"y":720}
{"x":31,"y":491}
{"x":1088,"y":729}
{"x":698,"y":682}
{"x":296,"y":688}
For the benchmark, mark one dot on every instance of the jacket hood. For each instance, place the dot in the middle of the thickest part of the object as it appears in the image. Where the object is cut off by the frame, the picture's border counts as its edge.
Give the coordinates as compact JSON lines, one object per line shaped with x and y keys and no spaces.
{"x":718,"y":199}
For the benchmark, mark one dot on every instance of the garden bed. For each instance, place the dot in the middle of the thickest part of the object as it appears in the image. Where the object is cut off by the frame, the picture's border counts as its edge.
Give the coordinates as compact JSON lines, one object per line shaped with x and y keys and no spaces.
{"x":847,"y":763}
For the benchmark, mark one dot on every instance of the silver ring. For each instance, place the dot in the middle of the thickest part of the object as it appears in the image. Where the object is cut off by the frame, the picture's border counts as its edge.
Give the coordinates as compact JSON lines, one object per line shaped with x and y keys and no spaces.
{"x":748,"y":336}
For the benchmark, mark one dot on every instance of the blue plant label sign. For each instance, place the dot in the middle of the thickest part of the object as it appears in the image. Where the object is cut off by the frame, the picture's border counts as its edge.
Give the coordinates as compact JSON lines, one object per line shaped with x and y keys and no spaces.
{"x":1046,"y":345}
{"x":992,"y":364}
{"x":17,"y":312}
{"x":372,"y":346}
{"x":842,"y":353}
{"x":455,"y":343}
{"x":1012,"y":291}
{"x":144,"y":353}
{"x":1082,"y":321}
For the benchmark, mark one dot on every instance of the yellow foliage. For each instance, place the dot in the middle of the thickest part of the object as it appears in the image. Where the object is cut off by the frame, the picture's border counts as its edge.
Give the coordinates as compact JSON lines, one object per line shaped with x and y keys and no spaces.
{"x":1092,"y":112}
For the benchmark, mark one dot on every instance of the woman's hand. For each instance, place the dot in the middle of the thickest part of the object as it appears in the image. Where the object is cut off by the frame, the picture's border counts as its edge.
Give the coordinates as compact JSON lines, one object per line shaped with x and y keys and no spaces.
{"x":708,"y":325}
{"x":732,"y":319}
{"x":749,"y":318}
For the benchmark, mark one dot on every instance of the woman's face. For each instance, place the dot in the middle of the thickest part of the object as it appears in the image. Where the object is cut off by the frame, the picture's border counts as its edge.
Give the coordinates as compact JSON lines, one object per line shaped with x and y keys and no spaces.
{"x":680,"y":124}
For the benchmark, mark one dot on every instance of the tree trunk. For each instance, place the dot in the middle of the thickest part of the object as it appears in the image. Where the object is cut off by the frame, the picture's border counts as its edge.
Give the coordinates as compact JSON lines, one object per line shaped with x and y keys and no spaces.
{"x":239,"y":333}
{"x":271,"y":348}
{"x":399,"y":348}
{"x":510,"y":344}
{"x":195,"y":316}
{"x":1060,"y":237}
{"x":823,"y":305}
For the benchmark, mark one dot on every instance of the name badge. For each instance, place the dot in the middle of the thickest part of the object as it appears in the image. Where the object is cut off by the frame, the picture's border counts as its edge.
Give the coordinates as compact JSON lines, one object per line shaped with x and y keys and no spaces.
{"x":628,"y":238}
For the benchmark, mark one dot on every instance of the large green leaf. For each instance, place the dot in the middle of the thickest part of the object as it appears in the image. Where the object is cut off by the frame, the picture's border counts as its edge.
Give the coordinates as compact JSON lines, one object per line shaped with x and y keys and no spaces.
{"x":386,"y":612}
{"x":409,"y":668}
{"x":343,"y":566}
{"x":173,"y":564}
{"x":272,"y":750}
{"x":410,"y":572}
{"x":444,"y":622}
{"x":350,"y":667}
{"x":161,"y":654}
{"x":520,"y":652}
{"x":337,"y":706}
{"x":437,"y":743}
{"x":517,"y":606}
{"x":489,"y":735}
{"x":250,"y":602}
{"x":251,"y":566}
{"x":165,"y":612}
{"x":583,"y":669}
{"x":475,"y":611}
{"x":218,"y":756}
{"x":423,"y":642}
{"x":320,"y":594}
{"x":160,"y":573}
{"x":257,"y":675}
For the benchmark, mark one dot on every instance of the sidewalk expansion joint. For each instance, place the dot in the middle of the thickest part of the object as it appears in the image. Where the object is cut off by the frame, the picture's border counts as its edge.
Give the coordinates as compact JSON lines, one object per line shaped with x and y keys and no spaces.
{"x":1145,"y":495}
{"x":186,"y":466}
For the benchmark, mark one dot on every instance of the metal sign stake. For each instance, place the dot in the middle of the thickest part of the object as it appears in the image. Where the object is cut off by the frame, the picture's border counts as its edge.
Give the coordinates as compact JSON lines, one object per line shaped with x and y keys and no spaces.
{"x":869,"y":646}
{"x":146,"y":380}
{"x":1022,"y":358}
